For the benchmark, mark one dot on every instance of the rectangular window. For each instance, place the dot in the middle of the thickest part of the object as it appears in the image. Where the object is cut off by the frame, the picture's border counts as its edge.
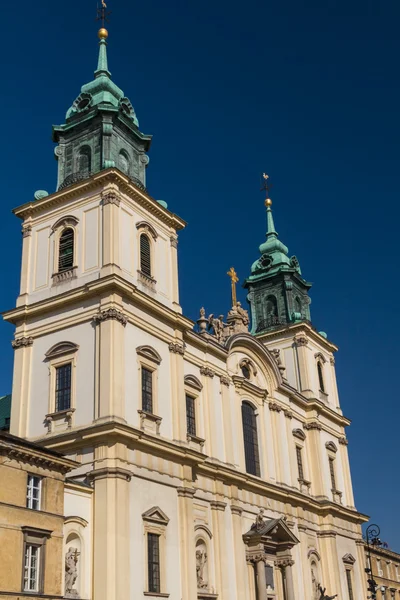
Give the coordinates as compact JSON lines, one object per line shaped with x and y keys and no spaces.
{"x":147,"y":390}
{"x":300,"y":463}
{"x":332,"y":473}
{"x":379,"y":567}
{"x":33,"y":492}
{"x":190,"y":415}
{"x":349,"y":584}
{"x":63,"y":387}
{"x":153,"y":554}
{"x":397,"y":572}
{"x":31,"y":568}
{"x":269,"y":576}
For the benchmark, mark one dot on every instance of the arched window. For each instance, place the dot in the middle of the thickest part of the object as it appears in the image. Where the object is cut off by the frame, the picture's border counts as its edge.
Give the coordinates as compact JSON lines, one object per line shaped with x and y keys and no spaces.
{"x":123,"y":162}
{"x":249,"y":421}
{"x":145,"y":255}
{"x":85,"y":160}
{"x":66,"y":250}
{"x":320,"y":377}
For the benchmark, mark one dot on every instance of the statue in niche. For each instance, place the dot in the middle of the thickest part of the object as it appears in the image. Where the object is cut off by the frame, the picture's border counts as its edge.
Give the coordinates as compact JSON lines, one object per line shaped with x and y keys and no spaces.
{"x":315,"y":585}
{"x":71,"y":572}
{"x":201,"y":561}
{"x":323,"y":596}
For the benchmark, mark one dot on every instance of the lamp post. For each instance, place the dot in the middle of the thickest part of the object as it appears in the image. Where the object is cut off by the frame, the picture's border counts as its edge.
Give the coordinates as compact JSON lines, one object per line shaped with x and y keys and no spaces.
{"x":372,"y":537}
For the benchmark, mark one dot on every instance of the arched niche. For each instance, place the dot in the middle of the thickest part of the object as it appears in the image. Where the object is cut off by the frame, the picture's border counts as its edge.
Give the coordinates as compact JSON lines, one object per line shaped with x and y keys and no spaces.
{"x":73,"y":563}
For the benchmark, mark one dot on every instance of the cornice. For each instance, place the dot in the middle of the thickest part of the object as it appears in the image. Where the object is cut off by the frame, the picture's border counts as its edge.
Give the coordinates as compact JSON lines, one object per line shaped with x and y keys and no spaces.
{"x":38,"y":457}
{"x":95,"y":182}
{"x":297,"y":329}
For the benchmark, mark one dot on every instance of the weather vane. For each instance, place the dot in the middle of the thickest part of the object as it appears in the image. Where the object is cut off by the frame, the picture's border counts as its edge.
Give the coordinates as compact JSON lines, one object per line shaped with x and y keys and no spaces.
{"x":234,"y":279}
{"x":266,"y":186}
{"x":102,"y":14}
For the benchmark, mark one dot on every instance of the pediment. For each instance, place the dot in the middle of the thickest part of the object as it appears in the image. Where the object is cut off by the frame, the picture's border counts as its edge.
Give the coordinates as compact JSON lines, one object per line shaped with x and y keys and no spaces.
{"x":275,"y":529}
{"x":61,"y":349}
{"x":155,"y":515}
{"x":192,"y":381}
{"x":349,"y":559}
{"x":150,"y":353}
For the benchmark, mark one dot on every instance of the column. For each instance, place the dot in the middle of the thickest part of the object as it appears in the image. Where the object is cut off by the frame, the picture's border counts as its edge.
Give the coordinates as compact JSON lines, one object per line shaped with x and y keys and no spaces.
{"x":187,"y":543}
{"x":221,"y":564}
{"x":329,"y":559}
{"x":227,"y":420}
{"x":111,"y":202}
{"x":174,"y":271}
{"x":315,"y":459}
{"x":111,"y":544}
{"x":110,"y":373}
{"x":289,"y":580}
{"x":209,"y":416}
{"x":25,"y":264}
{"x":177,"y":351}
{"x":275,"y":409}
{"x":301,"y":343}
{"x":261,"y":580}
{"x":240,"y":553}
{"x":21,"y":386}
{"x":348,"y":488}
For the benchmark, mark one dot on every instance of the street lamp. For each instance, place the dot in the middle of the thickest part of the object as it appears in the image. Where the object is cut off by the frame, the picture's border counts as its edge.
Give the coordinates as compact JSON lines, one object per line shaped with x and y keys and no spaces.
{"x":372,"y":536}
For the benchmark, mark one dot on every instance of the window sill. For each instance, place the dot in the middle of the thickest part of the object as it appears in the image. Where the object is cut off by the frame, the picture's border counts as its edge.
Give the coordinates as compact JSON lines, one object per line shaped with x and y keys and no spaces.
{"x":66,"y":275}
{"x":195,"y":442}
{"x":323,"y":396}
{"x":156,"y":594}
{"x":60,"y":420}
{"x":150,"y":422}
{"x":147,"y":280}
{"x":337,"y":496}
{"x":206,"y":596}
{"x":304,"y":486}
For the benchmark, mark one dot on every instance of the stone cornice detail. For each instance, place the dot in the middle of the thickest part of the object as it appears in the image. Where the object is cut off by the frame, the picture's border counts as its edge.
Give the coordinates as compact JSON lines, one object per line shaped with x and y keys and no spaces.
{"x":174,"y":242}
{"x":26,"y":231}
{"x":111,"y":197}
{"x":300,"y":340}
{"x":207,"y":372}
{"x":288,"y":414}
{"x":236,"y":510}
{"x":225,"y":380}
{"x":35,"y":457}
{"x":22,"y":342}
{"x":218,"y":505}
{"x":312,"y":425}
{"x":110,"y":472}
{"x":184,"y":492}
{"x":343,"y":441}
{"x":275,"y":407}
{"x":332,"y":361}
{"x":327,"y":534}
{"x":284,"y":562}
{"x":241,"y":383}
{"x":111,"y":314}
{"x":177,"y":348}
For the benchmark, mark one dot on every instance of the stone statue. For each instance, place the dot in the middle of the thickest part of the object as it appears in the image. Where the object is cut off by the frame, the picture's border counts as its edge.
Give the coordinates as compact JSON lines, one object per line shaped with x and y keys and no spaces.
{"x":259,"y":522}
{"x":315,"y":585}
{"x":201,"y":559}
{"x":323,"y":596}
{"x":71,"y":572}
{"x":243,"y":313}
{"x":217,"y":325}
{"x":238,"y":320}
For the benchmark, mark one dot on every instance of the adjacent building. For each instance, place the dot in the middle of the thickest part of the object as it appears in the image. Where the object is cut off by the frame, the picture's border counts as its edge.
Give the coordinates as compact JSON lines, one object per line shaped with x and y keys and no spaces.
{"x":385,"y":567}
{"x":31,"y":519}
{"x":210,"y":458}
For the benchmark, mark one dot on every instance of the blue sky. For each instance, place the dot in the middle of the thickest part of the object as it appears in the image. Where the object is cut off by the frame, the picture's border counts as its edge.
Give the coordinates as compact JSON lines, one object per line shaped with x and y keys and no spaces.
{"x":308,"y":92}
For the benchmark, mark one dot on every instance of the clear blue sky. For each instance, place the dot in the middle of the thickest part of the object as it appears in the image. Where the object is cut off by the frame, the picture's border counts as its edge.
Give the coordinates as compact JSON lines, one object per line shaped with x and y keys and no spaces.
{"x":308,"y":92}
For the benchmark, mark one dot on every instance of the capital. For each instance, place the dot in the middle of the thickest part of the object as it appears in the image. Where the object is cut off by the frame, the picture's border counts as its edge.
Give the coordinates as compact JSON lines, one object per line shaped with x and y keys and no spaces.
{"x":111,"y":314}
{"x":22,"y":342}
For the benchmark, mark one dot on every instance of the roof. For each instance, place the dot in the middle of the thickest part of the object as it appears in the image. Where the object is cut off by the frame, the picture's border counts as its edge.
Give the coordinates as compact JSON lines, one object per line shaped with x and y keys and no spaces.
{"x":5,"y":412}
{"x":24,"y":450}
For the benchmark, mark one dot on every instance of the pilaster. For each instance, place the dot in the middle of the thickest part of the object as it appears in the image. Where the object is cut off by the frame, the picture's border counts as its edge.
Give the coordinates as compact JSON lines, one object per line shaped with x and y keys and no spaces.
{"x":227,"y":421}
{"x":177,"y":351}
{"x":110,"y":351}
{"x":344,"y":457}
{"x":221,"y":564}
{"x":240,"y":553}
{"x":209,"y":418}
{"x":315,"y":459}
{"x":110,"y":213}
{"x":174,"y":271}
{"x":300,"y":344}
{"x":19,"y":421}
{"x":329,"y":559}
{"x":187,"y":543}
{"x":25,"y":264}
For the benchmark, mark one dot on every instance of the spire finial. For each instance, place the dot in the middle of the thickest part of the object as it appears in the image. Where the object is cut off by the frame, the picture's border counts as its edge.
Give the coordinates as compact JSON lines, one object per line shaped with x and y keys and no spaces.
{"x":103,"y":15}
{"x":268,"y":203}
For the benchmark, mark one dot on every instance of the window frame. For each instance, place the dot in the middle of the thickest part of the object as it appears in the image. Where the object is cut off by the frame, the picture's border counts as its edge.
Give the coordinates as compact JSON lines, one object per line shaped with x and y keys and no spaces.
{"x":300,"y":463}
{"x":150,"y":274}
{"x":153,"y":580}
{"x":68,"y":222}
{"x":150,"y":371}
{"x":30,"y":497}
{"x":34,"y":537}
{"x":332,"y":473}
{"x":255,"y":458}
{"x":350,"y":584}
{"x":155,"y":522}
{"x":58,"y":356}
{"x":321,"y":378}
{"x":191,"y":418}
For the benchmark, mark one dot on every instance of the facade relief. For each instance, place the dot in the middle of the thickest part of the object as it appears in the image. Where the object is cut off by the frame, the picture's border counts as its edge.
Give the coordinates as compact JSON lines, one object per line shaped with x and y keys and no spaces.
{"x":237,"y":321}
{"x":201,"y":565}
{"x":71,"y":572}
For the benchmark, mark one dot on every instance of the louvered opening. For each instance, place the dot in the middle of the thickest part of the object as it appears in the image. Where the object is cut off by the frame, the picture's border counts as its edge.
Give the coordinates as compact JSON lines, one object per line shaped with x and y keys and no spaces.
{"x":145,"y":257}
{"x":66,"y":251}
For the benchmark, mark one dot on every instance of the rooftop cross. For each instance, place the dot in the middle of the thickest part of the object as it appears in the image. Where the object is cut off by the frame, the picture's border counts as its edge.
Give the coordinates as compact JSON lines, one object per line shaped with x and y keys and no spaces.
{"x":234,"y":279}
{"x":102,"y":14}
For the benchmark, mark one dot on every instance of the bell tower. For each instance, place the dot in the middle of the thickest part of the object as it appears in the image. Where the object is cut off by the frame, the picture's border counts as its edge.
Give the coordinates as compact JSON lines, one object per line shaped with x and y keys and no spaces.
{"x":101,"y":131}
{"x":278,"y":294}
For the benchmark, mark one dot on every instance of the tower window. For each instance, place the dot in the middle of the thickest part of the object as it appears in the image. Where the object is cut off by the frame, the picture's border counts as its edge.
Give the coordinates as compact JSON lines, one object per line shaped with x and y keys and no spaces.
{"x":66,"y":250}
{"x":123,"y":162}
{"x":153,"y":564}
{"x":145,"y":255}
{"x":320,"y":377}
{"x":249,"y":421}
{"x":332,"y":472}
{"x":85,"y":160}
{"x":300,"y":462}
{"x":63,"y":387}
{"x":147,"y":390}
{"x":190,"y":415}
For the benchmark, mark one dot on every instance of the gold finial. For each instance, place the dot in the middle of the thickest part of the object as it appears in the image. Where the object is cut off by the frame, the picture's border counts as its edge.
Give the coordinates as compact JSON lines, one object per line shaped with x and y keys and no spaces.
{"x":234,"y":279}
{"x":102,"y":15}
{"x":266,"y":186}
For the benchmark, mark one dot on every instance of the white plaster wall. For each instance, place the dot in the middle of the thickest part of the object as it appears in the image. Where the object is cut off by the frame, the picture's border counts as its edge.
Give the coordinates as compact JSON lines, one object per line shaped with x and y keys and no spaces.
{"x":143,"y":496}
{"x":39,"y":406}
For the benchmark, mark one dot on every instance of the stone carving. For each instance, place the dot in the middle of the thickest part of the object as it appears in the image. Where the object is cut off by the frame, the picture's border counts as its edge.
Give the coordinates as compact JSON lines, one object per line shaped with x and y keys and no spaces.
{"x":111,"y":197}
{"x":22,"y":342}
{"x":277,"y":356}
{"x":177,"y":348}
{"x":259,"y":522}
{"x":284,"y":562}
{"x":344,"y":441}
{"x":64,"y":276}
{"x":332,"y":361}
{"x":312,"y":425}
{"x":217,"y":326}
{"x":202,"y":322}
{"x":274,"y":406}
{"x":314,"y":584}
{"x":238,"y":320}
{"x":174,"y":242}
{"x":225,"y":380}
{"x":288,"y":414}
{"x":323,"y":596}
{"x":26,"y":231}
{"x":111,"y":313}
{"x":301,"y":340}
{"x":71,"y":572}
{"x":207,"y":372}
{"x":201,"y":564}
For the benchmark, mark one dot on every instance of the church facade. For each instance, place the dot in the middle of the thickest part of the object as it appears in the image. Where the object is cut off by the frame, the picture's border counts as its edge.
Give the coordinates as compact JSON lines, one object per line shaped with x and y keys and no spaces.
{"x":212,"y":456}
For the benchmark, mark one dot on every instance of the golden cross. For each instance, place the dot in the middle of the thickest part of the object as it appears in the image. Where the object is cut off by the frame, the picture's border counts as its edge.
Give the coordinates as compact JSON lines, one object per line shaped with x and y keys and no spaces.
{"x":234,"y":279}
